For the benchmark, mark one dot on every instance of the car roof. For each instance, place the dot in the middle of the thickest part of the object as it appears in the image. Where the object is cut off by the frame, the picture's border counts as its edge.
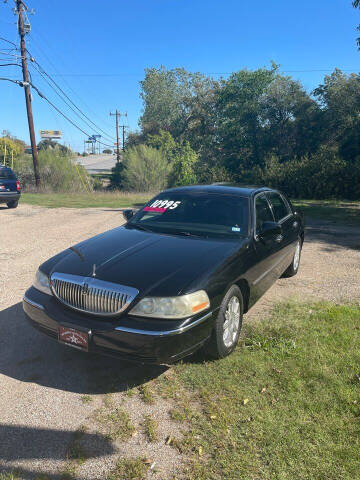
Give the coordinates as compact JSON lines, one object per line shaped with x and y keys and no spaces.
{"x":225,"y":188}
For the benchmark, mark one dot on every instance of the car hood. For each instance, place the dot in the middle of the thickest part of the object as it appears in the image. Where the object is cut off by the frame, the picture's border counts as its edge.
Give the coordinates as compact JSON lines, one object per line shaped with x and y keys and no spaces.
{"x":159,"y":264}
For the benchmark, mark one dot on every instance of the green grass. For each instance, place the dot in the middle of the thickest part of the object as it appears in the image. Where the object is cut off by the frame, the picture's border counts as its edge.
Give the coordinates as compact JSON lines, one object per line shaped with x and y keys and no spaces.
{"x":150,"y":428}
{"x":9,"y":476}
{"x":337,"y":211}
{"x":85,"y":200}
{"x":86,"y":399}
{"x":130,"y":469}
{"x":117,"y":422}
{"x":284,"y":405}
{"x":147,"y":394}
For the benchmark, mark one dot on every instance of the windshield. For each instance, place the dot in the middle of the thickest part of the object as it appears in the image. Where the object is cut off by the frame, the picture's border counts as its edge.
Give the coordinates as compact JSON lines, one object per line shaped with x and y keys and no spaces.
{"x":195,"y":213}
{"x":7,"y":174}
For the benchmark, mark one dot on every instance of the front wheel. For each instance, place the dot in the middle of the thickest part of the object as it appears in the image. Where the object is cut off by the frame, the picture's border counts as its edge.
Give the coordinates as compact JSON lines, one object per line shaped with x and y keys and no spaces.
{"x":227,"y":328}
{"x":13,"y":204}
{"x":294,"y":266}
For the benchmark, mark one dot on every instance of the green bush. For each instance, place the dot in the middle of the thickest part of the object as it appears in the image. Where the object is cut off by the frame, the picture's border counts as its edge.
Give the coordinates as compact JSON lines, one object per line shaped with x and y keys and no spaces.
{"x":183,"y":166}
{"x":57,"y":171}
{"x":321,"y":175}
{"x":146,"y":169}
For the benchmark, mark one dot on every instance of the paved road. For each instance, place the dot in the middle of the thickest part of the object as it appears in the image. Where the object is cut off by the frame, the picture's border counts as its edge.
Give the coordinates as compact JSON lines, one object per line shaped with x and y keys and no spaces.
{"x":97,"y":163}
{"x":42,"y":384}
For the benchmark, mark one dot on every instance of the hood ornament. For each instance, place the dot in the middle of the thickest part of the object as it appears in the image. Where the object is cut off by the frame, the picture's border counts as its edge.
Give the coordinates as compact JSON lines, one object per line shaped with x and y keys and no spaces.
{"x":94,"y":271}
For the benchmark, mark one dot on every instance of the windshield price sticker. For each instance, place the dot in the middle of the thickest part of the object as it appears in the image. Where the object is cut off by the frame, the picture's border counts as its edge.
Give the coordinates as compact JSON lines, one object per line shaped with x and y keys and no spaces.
{"x":162,"y":206}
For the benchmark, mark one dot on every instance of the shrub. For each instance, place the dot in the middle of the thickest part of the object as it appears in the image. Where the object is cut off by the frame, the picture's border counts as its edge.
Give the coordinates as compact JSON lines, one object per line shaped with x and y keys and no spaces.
{"x":146,"y":169}
{"x":321,"y":175}
{"x":183,"y":167}
{"x":57,"y":171}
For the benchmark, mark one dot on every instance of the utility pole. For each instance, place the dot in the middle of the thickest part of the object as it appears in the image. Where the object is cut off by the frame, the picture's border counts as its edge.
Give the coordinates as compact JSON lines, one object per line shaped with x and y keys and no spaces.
{"x":118,"y":114}
{"x":20,"y":5}
{"x":123,"y":136}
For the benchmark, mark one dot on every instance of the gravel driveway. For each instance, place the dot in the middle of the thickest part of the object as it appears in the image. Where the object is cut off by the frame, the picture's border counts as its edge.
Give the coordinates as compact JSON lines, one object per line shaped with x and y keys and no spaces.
{"x":51,"y":396}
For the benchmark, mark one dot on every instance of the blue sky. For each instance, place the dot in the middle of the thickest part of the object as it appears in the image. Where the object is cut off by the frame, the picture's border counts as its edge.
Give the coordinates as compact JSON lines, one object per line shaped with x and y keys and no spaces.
{"x":98,"y":53}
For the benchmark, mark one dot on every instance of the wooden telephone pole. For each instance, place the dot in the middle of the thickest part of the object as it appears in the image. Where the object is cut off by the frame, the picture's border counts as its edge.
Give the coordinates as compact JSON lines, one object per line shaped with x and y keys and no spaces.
{"x":20,"y":5}
{"x":118,"y":114}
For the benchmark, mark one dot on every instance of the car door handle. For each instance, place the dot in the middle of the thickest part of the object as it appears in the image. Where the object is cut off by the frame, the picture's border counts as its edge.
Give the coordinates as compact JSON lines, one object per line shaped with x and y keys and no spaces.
{"x":295,"y":224}
{"x":279,"y":238}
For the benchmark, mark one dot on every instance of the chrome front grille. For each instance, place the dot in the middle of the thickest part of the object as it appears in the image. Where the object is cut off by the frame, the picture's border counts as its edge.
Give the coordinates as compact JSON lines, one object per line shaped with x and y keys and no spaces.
{"x":90,"y":295}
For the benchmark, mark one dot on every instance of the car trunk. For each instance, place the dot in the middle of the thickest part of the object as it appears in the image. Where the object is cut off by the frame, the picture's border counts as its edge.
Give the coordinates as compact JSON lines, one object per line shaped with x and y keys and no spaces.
{"x":7,"y":185}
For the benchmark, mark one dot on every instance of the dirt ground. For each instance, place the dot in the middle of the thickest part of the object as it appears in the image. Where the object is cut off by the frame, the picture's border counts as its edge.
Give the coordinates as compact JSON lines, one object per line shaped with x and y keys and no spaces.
{"x":50,"y":395}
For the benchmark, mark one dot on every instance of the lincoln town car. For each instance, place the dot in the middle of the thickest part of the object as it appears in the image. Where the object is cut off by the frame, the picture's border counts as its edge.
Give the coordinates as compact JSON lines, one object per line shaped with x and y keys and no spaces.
{"x":178,"y":276}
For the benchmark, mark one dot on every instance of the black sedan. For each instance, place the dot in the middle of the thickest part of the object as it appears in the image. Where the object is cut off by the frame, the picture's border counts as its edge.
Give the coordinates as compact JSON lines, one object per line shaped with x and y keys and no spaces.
{"x":10,"y":190}
{"x":179,"y":275}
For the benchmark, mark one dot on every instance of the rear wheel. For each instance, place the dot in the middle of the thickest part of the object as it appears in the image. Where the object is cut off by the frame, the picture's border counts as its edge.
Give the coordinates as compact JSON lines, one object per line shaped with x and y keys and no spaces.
{"x":227,"y":328}
{"x":13,"y":204}
{"x":294,"y":266}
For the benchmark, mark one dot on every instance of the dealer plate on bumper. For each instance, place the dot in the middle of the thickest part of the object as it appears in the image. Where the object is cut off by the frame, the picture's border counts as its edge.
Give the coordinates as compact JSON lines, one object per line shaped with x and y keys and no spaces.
{"x":74,"y":338}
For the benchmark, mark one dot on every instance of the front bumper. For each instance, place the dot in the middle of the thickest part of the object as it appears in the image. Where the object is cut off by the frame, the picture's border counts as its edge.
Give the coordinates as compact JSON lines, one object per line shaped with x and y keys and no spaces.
{"x":6,"y":197}
{"x":132,"y":338}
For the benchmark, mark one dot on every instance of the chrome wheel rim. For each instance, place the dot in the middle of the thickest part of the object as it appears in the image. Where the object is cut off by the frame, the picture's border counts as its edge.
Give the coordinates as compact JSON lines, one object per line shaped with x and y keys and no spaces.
{"x":297,"y":256}
{"x":232,"y":321}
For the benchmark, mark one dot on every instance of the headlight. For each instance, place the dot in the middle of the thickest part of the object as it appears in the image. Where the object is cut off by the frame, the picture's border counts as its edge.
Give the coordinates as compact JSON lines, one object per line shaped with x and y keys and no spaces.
{"x":42,"y":283}
{"x":172,"y":307}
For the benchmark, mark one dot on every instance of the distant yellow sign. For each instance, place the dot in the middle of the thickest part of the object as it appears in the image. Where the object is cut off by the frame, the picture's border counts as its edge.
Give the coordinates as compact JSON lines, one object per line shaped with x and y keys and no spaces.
{"x":50,"y":133}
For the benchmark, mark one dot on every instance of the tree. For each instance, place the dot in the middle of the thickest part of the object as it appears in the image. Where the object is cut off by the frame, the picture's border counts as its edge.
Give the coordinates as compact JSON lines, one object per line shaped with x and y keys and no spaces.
{"x":145,"y":169}
{"x":240,"y":118}
{"x":289,"y":117}
{"x":183,"y":167}
{"x":168,"y":99}
{"x":356,"y":4}
{"x":48,"y":143}
{"x":181,"y":157}
{"x":8,"y":150}
{"x":107,"y":150}
{"x":163,"y":141}
{"x":339,"y":97}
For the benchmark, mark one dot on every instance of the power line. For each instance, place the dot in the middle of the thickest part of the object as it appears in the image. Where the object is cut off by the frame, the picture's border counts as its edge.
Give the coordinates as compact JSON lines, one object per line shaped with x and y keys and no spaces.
{"x":63,"y":114}
{"x":8,"y":41}
{"x":46,"y":57}
{"x":45,"y":76}
{"x":133,"y":74}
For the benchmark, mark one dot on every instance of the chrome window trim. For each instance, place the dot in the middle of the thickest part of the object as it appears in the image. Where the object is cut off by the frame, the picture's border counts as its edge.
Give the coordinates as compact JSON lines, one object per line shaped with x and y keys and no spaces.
{"x":165,"y":333}
{"x":283,"y":219}
{"x":264,"y":192}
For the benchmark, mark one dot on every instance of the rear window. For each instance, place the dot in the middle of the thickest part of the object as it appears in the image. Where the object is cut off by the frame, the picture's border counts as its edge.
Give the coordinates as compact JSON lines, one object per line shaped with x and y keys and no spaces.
{"x":7,"y":174}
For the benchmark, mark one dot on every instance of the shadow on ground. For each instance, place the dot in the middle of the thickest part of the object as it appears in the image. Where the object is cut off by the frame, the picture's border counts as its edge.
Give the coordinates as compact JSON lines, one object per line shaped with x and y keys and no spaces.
{"x":15,"y":441}
{"x":30,"y":356}
{"x":333,"y":237}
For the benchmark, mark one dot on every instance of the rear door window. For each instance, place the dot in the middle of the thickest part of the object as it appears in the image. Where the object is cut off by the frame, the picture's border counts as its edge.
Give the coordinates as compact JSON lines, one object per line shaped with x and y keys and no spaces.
{"x":7,"y":174}
{"x":279,"y":207}
{"x":262,"y":212}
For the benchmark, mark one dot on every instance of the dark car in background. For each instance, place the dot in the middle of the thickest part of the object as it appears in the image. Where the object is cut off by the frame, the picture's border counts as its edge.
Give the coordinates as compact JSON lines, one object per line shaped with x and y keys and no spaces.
{"x":10,"y":190}
{"x":177,"y":276}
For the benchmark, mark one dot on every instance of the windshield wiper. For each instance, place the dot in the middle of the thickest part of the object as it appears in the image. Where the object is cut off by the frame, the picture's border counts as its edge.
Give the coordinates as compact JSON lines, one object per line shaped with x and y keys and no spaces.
{"x":189,"y":234}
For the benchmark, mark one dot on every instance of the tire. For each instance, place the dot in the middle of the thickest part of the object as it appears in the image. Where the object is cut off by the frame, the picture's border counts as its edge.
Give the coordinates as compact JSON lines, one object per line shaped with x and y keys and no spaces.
{"x":221,"y":343}
{"x":293,"y":268}
{"x":13,"y":204}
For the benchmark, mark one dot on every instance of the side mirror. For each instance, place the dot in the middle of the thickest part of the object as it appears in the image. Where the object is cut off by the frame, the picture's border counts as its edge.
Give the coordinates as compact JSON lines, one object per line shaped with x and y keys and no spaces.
{"x":270,"y":229}
{"x":128,"y":214}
